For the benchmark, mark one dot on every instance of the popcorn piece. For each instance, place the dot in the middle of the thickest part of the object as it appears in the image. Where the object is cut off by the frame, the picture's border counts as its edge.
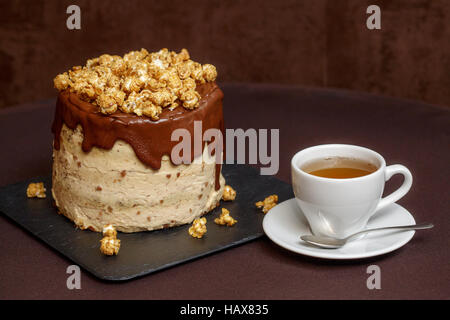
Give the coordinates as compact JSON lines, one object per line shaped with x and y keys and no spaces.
{"x":190,"y":99}
{"x":90,"y":63}
{"x":109,"y":231}
{"x":102,"y":72}
{"x":136,"y":55}
{"x":197,"y":73}
{"x":106,"y":103}
{"x":117,"y":95}
{"x":128,"y":106}
{"x":198,"y":228}
{"x":229,"y":194}
{"x":189,"y":84}
{"x":268,"y":203}
{"x":225,"y":218}
{"x":85,"y":90}
{"x":131,"y":84}
{"x":183,"y":55}
{"x":62,"y":81}
{"x":155,"y":85}
{"x":184,"y":70}
{"x":209,"y":72}
{"x":151,"y":110}
{"x":109,"y":246}
{"x":105,"y":59}
{"x":161,"y":98}
{"x":173,"y":82}
{"x":118,"y":83}
{"x":36,"y":190}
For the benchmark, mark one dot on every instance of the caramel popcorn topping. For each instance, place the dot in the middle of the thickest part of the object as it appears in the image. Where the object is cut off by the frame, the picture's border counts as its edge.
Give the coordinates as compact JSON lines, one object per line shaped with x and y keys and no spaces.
{"x":139,"y":82}
{"x":229,"y":194}
{"x":36,"y":190}
{"x":109,"y":231}
{"x":198,"y":228}
{"x":109,"y":246}
{"x":225,"y":218}
{"x":268,"y":203}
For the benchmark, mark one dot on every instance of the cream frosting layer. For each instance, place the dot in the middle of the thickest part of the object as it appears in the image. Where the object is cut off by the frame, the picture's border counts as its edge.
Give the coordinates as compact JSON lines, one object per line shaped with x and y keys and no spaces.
{"x":114,"y":187}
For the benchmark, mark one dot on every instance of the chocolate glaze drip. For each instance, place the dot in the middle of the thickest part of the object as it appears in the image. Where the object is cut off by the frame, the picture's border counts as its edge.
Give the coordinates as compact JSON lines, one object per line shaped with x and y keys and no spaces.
{"x":149,"y":139}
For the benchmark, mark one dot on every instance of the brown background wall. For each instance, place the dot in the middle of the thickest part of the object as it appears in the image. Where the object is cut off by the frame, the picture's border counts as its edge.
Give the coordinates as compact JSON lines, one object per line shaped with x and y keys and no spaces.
{"x":322,"y":43}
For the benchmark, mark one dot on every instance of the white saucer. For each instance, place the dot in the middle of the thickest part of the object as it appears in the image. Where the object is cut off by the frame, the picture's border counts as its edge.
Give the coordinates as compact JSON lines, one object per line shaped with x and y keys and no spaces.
{"x":285,"y":223}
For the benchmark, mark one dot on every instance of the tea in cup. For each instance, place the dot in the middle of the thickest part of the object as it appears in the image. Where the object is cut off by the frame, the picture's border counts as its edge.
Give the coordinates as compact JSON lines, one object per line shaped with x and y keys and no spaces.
{"x":339,"y":187}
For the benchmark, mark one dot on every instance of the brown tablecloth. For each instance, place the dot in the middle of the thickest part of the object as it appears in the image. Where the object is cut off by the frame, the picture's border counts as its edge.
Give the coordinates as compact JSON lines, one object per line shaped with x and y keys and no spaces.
{"x":407,"y":132}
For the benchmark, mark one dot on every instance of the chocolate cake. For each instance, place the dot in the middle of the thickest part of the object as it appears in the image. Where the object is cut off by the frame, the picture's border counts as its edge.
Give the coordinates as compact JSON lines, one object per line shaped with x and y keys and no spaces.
{"x":112,"y":149}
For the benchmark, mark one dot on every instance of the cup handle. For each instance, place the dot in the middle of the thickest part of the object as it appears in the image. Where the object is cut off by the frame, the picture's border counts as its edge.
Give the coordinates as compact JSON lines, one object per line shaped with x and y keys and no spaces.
{"x":400,"y":192}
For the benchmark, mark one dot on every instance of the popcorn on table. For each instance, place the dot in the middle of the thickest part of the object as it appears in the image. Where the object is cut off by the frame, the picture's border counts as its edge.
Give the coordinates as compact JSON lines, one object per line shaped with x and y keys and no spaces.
{"x":229,"y":194}
{"x":198,"y":228}
{"x":109,"y":246}
{"x":140,"y":82}
{"x":36,"y":190}
{"x":268,"y":203}
{"x":109,"y":231}
{"x":225,"y":218}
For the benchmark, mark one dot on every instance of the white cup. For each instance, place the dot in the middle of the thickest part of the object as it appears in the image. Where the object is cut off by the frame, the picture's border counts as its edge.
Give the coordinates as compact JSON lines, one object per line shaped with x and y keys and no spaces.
{"x":341,"y":207}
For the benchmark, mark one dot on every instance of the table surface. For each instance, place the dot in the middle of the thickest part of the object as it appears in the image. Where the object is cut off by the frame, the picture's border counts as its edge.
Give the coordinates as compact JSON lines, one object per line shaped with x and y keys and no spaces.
{"x":412,"y":133}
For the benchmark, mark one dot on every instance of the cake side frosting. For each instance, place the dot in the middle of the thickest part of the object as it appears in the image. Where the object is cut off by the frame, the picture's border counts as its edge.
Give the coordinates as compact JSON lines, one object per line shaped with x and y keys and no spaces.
{"x":114,"y":187}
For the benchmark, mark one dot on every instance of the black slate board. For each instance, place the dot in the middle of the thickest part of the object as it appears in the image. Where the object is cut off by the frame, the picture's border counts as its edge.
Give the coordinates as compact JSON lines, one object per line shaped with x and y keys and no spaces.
{"x":145,"y":252}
